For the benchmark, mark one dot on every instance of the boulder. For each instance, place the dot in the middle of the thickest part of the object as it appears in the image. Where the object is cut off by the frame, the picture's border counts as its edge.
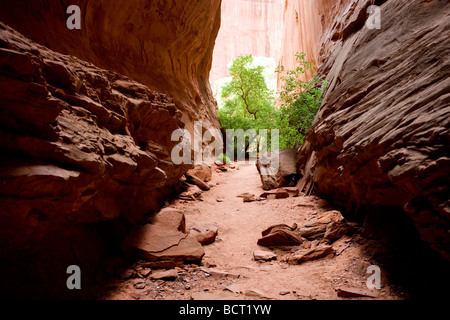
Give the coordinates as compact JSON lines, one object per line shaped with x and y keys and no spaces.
{"x":164,"y":275}
{"x":278,"y":169}
{"x":216,"y":273}
{"x":197,"y":181}
{"x":192,"y":193}
{"x":158,"y":243}
{"x":315,"y":253}
{"x":249,"y":198}
{"x":205,"y":232}
{"x":264,"y":255}
{"x":316,"y":227}
{"x":201,"y":171}
{"x":337,"y":229}
{"x":170,"y":218}
{"x":280,"y":235}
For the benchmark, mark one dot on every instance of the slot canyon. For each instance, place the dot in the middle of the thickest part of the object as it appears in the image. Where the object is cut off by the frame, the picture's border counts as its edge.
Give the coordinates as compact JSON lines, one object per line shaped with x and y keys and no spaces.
{"x":87,"y":177}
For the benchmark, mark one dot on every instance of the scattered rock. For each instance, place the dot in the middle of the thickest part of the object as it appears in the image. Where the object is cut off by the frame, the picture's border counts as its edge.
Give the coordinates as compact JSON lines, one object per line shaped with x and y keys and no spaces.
{"x":293,"y":191}
{"x":220,"y":200}
{"x":310,"y":254}
{"x":209,"y":264}
{"x":221,"y":166}
{"x":205,"y":232}
{"x":198,"y":182}
{"x":281,"y":193}
{"x":337,"y":229}
{"x":201,"y":171}
{"x":245,"y":194}
{"x":279,"y":169}
{"x":170,"y":218}
{"x":163,"y":264}
{"x":280,"y":235}
{"x":349,"y":292}
{"x":317,"y":226}
{"x":164,"y":275}
{"x":256,"y":294}
{"x":144,"y":273}
{"x":139,"y":284}
{"x":191,"y":194}
{"x":219,"y":273}
{"x":264,"y":255}
{"x":250,"y":198}
{"x":284,"y":292}
{"x":155,"y":242}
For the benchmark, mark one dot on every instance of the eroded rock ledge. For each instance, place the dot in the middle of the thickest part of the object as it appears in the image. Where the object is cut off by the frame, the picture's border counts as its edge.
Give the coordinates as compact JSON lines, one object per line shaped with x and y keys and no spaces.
{"x":166,"y":45}
{"x":80,"y":145}
{"x":381,"y":139}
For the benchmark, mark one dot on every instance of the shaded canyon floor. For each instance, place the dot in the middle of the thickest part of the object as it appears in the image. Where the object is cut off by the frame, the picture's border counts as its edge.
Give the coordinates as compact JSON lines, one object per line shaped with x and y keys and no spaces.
{"x":229,"y":270}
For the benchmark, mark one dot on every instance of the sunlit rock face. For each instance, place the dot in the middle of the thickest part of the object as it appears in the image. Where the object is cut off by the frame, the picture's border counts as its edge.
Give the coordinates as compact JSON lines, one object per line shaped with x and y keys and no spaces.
{"x":86,"y":118}
{"x":307,"y":26}
{"x":379,"y":145}
{"x":248,"y":27}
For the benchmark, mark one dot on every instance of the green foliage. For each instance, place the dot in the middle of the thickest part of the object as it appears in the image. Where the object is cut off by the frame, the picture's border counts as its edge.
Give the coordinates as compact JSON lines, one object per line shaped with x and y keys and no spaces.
{"x":300,"y":101}
{"x":248,"y":103}
{"x":223,"y":158}
{"x":247,"y":97}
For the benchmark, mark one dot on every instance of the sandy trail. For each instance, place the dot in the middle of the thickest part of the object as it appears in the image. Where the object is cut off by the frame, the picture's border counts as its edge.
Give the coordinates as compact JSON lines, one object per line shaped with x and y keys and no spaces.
{"x":240,"y":226}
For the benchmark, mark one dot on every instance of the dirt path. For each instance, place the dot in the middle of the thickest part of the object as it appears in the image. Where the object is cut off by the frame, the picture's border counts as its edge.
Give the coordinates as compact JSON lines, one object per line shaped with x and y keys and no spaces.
{"x":240,"y":226}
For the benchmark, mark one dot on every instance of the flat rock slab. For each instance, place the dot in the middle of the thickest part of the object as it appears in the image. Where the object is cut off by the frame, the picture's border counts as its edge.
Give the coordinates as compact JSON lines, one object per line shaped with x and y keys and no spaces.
{"x":192,"y":193}
{"x":164,"y":275}
{"x":220,"y":273}
{"x":171,"y":218}
{"x":264,"y":255}
{"x":311,"y":254}
{"x":205,"y":232}
{"x":280,"y":235}
{"x":158,"y":243}
{"x":349,"y":292}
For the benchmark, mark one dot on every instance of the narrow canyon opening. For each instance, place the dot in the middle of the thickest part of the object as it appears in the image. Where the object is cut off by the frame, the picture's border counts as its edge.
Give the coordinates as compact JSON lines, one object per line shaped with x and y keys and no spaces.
{"x":102,"y":195}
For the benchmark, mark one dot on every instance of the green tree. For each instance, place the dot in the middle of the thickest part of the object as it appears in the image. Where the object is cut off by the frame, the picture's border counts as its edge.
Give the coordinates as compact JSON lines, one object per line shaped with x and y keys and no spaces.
{"x":300,"y":101}
{"x":248,"y":102}
{"x":247,"y":89}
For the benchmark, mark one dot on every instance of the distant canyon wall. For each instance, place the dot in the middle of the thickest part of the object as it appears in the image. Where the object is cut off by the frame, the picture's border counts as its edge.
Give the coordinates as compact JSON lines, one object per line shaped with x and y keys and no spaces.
{"x":248,"y":27}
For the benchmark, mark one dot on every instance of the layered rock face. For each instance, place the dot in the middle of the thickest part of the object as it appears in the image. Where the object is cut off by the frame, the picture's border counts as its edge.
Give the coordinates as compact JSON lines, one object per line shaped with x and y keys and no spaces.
{"x":86,"y":146}
{"x":166,"y":45}
{"x":247,"y":27}
{"x":380,"y":142}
